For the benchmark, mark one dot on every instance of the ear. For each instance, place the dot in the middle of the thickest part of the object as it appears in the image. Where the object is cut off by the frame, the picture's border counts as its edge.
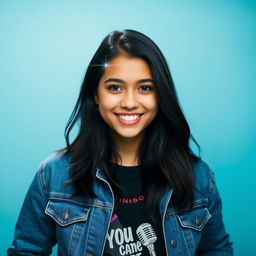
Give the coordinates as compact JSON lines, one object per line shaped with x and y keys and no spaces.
{"x":96,"y":99}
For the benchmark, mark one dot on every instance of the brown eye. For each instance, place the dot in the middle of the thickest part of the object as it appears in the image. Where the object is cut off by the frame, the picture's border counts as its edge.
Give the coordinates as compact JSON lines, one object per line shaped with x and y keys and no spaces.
{"x":113,"y":87}
{"x":147,"y":88}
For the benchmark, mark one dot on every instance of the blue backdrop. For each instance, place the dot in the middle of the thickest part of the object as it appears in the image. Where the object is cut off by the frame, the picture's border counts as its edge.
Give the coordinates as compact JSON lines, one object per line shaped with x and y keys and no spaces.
{"x":210,"y":46}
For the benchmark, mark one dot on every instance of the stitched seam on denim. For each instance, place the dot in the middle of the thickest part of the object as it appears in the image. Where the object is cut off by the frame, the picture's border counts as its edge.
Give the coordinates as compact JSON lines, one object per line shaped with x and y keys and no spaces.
{"x":89,"y":223}
{"x":194,"y":246}
{"x":199,"y":201}
{"x":89,"y":229}
{"x":68,"y":200}
{"x":189,"y":238}
{"x":189,"y":226}
{"x":56,"y":217}
{"x":41,"y":178}
{"x":101,"y":206}
{"x":60,"y":194}
{"x":212,"y":184}
{"x":70,"y":241}
{"x":75,"y":237}
{"x":199,"y":228}
{"x":177,"y":232}
{"x":186,"y":209}
{"x":83,"y":204}
{"x":109,"y":204}
{"x":62,"y":223}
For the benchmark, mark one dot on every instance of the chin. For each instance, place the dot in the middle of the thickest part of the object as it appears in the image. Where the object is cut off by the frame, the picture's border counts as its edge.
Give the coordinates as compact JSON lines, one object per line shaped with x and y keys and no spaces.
{"x":130,"y":136}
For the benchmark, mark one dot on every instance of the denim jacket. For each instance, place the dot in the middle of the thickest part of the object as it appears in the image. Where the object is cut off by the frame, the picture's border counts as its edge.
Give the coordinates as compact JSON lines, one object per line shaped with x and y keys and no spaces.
{"x":51,"y":214}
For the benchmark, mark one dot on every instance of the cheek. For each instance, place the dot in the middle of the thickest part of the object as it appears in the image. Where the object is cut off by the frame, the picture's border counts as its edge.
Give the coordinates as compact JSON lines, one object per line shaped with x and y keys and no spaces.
{"x":107,"y":103}
{"x":151,"y":104}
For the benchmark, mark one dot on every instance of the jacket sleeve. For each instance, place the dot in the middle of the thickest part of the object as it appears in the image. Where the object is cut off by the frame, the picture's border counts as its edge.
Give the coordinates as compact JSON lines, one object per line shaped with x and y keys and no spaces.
{"x":215,"y":241}
{"x":35,"y":231}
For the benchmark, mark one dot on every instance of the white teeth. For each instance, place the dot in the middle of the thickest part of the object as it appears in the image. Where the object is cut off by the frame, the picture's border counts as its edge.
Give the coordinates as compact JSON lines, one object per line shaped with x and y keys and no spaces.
{"x":129,"y":118}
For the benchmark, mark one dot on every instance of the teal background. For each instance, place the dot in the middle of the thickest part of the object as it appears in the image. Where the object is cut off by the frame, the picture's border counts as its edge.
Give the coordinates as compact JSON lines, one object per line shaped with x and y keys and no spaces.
{"x":210,"y":46}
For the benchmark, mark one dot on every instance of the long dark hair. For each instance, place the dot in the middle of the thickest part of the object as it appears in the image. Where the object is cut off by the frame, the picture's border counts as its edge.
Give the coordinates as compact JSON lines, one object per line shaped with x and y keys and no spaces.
{"x":164,"y":154}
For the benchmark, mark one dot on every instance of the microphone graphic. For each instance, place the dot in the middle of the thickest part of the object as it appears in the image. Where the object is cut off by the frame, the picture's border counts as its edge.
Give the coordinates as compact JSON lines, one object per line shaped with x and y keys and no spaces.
{"x":147,"y":237}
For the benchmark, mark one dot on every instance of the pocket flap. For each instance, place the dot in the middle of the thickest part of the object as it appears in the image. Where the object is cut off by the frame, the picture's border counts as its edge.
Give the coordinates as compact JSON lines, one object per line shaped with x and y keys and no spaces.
{"x":65,"y":212}
{"x":195,"y":219}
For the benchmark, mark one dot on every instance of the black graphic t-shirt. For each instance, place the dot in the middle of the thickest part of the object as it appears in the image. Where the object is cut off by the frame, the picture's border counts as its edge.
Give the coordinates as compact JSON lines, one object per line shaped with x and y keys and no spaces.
{"x":130,"y":232}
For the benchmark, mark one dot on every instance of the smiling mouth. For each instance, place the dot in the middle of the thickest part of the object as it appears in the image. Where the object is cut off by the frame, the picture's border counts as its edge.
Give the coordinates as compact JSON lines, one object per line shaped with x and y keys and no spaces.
{"x":128,"y":118}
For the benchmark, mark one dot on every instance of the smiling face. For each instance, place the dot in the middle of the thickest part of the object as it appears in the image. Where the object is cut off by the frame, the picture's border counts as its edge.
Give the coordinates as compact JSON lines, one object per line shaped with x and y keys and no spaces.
{"x":126,"y":97}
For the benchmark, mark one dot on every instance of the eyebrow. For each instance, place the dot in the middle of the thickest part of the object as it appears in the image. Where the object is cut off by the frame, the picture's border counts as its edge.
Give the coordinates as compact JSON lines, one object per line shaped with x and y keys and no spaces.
{"x":121,"y":81}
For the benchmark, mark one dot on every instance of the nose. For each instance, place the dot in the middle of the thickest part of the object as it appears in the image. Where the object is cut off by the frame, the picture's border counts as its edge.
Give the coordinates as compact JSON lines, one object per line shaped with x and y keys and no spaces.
{"x":129,"y":100}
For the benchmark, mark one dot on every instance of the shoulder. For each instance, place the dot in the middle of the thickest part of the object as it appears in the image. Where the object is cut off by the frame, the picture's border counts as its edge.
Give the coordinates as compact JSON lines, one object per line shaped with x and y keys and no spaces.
{"x":56,"y":159}
{"x":202,"y":170}
{"x":56,"y":166}
{"x":203,"y":177}
{"x":54,"y":171}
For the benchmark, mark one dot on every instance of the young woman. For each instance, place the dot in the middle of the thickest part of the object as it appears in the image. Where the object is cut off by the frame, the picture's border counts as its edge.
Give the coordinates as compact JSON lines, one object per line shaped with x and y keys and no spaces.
{"x":128,"y":184}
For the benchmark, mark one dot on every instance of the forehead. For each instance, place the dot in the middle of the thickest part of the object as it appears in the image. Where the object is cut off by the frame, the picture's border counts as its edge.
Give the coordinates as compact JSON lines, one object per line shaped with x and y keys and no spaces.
{"x":127,"y":68}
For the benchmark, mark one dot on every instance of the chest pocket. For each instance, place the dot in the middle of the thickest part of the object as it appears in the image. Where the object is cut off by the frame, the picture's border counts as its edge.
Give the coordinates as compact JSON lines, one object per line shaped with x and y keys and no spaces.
{"x":195,"y":219}
{"x":66,"y":212}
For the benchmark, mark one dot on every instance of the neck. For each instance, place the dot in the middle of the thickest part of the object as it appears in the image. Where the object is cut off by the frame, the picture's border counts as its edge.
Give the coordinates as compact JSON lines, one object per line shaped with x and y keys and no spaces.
{"x":128,"y":149}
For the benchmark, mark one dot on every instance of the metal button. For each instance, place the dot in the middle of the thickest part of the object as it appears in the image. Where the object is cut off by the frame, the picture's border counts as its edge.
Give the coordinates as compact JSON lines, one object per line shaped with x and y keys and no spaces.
{"x":65,"y":215}
{"x":173,"y":243}
{"x":198,"y":220}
